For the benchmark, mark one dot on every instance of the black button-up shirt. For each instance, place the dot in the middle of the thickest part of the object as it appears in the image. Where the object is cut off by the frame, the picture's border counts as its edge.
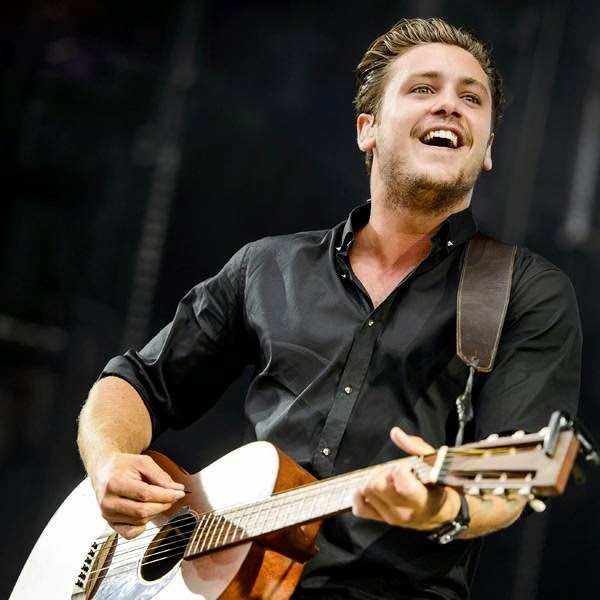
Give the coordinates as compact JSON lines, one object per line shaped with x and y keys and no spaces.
{"x":333,"y":374}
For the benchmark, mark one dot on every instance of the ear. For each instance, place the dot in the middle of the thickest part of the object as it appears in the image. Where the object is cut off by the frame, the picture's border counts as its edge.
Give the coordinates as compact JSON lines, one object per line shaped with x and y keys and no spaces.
{"x":365,"y":131}
{"x":487,"y":161}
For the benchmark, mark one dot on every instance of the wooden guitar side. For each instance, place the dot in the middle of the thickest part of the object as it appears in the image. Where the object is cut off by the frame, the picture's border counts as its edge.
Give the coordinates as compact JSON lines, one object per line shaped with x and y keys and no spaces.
{"x":274,"y":562}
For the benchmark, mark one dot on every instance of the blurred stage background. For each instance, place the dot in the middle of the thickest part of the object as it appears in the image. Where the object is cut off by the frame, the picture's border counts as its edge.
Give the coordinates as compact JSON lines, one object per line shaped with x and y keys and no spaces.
{"x":142,"y":144}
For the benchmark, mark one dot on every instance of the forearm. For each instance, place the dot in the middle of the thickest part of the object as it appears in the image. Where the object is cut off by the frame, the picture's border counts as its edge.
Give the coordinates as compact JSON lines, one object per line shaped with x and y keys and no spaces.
{"x":113,"y":420}
{"x":488,"y":513}
{"x":114,"y":428}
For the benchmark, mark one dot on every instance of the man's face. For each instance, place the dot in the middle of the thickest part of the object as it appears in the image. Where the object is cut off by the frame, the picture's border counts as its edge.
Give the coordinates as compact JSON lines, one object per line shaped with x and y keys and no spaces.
{"x":433,"y":129}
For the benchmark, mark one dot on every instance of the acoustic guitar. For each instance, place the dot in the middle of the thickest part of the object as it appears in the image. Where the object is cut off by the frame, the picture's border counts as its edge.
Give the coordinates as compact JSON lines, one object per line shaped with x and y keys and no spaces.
{"x":208,"y":547}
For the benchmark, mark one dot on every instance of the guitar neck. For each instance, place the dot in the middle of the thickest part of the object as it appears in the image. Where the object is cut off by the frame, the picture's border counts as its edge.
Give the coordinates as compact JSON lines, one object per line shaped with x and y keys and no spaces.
{"x":516,"y":464}
{"x":304,"y":504}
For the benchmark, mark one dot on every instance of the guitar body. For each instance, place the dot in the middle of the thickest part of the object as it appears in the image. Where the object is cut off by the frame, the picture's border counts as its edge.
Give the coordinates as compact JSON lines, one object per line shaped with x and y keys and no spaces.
{"x":267,"y":567}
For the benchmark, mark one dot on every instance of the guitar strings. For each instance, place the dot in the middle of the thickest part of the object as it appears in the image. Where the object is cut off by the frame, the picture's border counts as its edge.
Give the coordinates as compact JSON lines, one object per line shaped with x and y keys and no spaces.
{"x":295,"y":491}
{"x":224,"y":535}
{"x":129,"y":565}
{"x":261,"y":505}
{"x":218,"y":530}
{"x":125,"y":566}
{"x":216,"y":527}
{"x":422,"y":469}
{"x":217,"y":523}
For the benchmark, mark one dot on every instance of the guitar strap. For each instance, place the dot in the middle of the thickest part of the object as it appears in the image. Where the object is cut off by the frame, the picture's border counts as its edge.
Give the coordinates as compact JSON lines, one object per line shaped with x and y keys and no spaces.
{"x":483,"y":295}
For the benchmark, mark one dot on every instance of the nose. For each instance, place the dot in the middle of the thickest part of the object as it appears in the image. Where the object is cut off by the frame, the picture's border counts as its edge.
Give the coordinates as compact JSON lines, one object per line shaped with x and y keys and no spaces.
{"x":446,"y":103}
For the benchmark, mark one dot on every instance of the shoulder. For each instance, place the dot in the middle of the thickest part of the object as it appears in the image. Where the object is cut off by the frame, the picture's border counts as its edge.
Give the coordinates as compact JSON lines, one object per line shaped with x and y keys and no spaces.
{"x":541,"y":286}
{"x":301,"y":239}
{"x":287,"y":247}
{"x":533,"y":274}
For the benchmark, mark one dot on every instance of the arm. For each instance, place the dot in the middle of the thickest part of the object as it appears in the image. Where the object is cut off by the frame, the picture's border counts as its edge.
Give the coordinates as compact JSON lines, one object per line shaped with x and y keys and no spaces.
{"x":395,"y":496}
{"x":114,"y":428}
{"x":536,"y":372}
{"x":203,"y":349}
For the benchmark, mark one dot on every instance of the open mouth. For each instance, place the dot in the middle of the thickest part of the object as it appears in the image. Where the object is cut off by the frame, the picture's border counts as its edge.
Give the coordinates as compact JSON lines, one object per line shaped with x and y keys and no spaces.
{"x":441,"y":138}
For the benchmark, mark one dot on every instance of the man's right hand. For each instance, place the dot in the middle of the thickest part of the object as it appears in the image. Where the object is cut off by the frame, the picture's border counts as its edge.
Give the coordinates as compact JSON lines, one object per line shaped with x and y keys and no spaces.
{"x":131,"y":490}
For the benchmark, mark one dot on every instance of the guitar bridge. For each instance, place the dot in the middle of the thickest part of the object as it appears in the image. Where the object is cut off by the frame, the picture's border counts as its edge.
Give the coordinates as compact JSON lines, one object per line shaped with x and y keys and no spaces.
{"x":93,"y":567}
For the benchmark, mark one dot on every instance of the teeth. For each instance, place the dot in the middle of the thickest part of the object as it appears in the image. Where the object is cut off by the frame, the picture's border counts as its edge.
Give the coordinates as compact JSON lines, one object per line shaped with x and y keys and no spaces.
{"x":442,"y":133}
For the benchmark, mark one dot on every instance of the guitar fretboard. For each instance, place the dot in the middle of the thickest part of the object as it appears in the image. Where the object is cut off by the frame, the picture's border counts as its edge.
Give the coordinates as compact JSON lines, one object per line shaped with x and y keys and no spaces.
{"x":311,"y":502}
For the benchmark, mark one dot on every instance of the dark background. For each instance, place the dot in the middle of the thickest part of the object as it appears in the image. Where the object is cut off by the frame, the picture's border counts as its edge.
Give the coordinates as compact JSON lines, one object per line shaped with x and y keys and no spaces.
{"x":143,"y":144}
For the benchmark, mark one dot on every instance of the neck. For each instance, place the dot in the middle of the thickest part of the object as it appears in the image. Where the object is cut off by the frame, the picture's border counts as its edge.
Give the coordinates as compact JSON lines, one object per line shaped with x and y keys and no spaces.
{"x":396,"y":231}
{"x":395,"y":236}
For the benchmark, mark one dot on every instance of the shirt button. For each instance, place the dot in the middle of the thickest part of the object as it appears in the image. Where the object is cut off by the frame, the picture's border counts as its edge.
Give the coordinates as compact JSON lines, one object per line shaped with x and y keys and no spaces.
{"x":348,"y":390}
{"x":326,"y":451}
{"x":370,"y":322}
{"x":450,"y":243}
{"x":343,"y":275}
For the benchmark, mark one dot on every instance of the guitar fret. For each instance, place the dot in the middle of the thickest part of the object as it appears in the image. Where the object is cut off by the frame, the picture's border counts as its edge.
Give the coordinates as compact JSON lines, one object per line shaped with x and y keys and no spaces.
{"x":241,"y":525}
{"x":222,"y":522}
{"x":300,"y":508}
{"x":259,"y":520}
{"x":286,"y":512}
{"x":217,"y":522}
{"x":252,"y":523}
{"x":233,"y":529}
{"x":195,"y":541}
{"x":273,"y":514}
{"x":209,"y":531}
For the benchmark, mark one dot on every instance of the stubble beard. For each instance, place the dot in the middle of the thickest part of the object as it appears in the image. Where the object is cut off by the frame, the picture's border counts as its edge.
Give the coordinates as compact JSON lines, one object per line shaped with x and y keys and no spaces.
{"x":422,"y":194}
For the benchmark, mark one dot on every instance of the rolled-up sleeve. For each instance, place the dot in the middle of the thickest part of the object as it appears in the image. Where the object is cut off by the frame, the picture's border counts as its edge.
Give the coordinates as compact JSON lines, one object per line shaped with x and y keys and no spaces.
{"x":538,"y":365}
{"x":187,"y":366}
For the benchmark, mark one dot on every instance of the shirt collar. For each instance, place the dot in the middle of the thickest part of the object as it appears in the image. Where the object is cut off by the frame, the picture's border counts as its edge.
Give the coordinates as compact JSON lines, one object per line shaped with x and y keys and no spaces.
{"x":456,"y":230}
{"x":357,"y":218}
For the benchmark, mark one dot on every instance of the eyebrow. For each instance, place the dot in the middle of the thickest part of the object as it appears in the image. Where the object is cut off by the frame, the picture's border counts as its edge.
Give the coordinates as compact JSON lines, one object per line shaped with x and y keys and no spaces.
{"x":463,"y":80}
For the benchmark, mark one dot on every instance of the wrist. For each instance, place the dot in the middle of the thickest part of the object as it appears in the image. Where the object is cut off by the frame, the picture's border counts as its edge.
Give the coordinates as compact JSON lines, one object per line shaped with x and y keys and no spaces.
{"x":454,"y":526}
{"x":449,"y":508}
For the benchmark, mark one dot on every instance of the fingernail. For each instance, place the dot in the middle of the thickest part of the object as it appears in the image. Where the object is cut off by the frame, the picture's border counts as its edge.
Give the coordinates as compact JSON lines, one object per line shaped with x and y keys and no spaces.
{"x":174,"y":485}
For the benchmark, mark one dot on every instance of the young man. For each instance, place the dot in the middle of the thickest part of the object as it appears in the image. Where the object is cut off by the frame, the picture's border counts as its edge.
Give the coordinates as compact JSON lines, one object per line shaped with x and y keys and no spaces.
{"x":352,"y":335}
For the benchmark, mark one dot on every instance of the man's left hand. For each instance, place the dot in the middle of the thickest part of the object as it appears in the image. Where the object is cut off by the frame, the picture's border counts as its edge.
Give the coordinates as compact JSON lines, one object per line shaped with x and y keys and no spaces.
{"x":396,"y":496}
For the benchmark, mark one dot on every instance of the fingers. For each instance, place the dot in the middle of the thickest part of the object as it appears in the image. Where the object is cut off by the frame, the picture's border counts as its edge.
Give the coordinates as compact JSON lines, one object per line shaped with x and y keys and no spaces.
{"x":155,"y":475}
{"x":361,"y":508}
{"x":123,"y":485}
{"x":389,"y":513}
{"x":132,"y":490}
{"x":117,"y":509}
{"x":411,"y":444}
{"x":395,"y":496}
{"x":127,"y":531}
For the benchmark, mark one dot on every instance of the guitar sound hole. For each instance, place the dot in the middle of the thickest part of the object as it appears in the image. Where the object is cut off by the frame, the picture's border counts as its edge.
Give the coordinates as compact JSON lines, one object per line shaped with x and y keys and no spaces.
{"x":168,"y":547}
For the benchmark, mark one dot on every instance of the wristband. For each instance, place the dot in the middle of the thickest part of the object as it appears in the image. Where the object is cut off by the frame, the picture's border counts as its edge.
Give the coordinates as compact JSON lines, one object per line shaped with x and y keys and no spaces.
{"x":448,"y":531}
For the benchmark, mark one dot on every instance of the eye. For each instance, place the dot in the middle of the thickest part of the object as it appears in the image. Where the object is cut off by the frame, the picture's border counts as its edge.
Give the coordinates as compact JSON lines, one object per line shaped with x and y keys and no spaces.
{"x":472,"y":98}
{"x":422,"y":89}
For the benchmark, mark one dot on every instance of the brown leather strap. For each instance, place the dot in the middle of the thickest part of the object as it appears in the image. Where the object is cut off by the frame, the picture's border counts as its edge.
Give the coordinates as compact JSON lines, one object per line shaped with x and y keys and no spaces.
{"x":483,"y":296}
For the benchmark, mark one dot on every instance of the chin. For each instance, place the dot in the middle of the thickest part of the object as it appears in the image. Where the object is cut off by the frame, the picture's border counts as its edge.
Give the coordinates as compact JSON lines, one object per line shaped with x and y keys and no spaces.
{"x":439,"y":179}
